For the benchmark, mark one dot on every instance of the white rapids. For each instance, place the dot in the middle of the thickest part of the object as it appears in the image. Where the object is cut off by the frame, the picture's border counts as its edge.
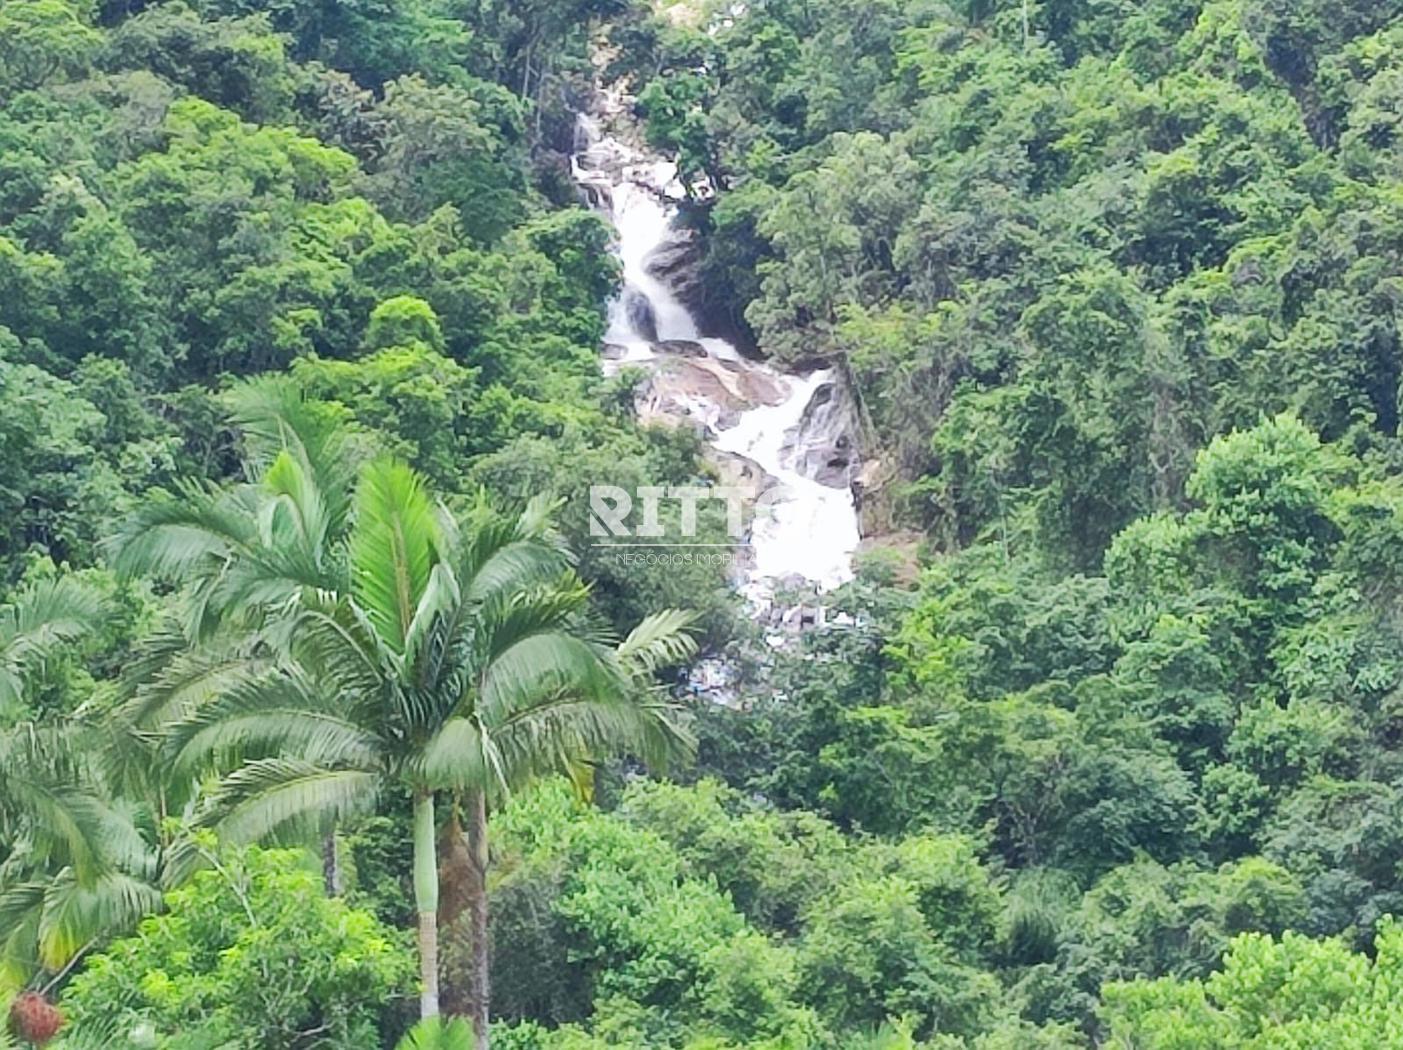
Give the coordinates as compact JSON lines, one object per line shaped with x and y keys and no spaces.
{"x":804,"y":531}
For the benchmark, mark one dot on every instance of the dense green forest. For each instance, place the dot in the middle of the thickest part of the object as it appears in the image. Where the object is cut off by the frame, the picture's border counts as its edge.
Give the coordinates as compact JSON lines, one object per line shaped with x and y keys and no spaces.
{"x":319,"y":712}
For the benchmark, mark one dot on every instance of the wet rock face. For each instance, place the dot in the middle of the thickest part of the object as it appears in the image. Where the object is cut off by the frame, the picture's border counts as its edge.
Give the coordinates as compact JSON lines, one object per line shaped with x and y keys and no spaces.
{"x":677,"y":263}
{"x":740,"y":471}
{"x":684,"y":392}
{"x":640,"y":314}
{"x":874,"y":496}
{"x":693,"y":389}
{"x":823,"y":445}
{"x":757,"y":388}
{"x":679,"y":348}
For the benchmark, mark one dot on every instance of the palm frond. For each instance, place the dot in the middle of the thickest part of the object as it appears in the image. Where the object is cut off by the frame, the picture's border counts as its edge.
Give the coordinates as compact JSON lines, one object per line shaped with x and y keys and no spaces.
{"x":169,"y":680}
{"x":437,"y":1033}
{"x":196,"y":527}
{"x":38,"y":619}
{"x":276,"y":417}
{"x":269,"y":795}
{"x":537,"y":520}
{"x":559,"y":732}
{"x":462,"y":756}
{"x":498,"y":554}
{"x":336,"y":645}
{"x":45,"y":798}
{"x":271,"y":577}
{"x":495,"y":625}
{"x":190,"y":678}
{"x":547,"y":663}
{"x":394,"y":545}
{"x":663,"y":639}
{"x":514,"y":566}
{"x":20,"y":907}
{"x":281,"y":712}
{"x":426,"y":638}
{"x":73,"y":916}
{"x":21,"y":902}
{"x":76,"y":865}
{"x":297,"y":509}
{"x":48,"y":611}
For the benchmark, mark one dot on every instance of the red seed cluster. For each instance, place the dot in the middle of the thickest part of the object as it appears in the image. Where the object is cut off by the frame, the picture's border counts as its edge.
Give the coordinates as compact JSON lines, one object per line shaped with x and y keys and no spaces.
{"x":34,"y":1019}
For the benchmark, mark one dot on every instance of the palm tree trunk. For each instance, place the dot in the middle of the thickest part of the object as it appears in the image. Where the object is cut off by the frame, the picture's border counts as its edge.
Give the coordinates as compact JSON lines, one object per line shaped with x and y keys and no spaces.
{"x":426,"y":900}
{"x":480,"y":987}
{"x":331,"y":864}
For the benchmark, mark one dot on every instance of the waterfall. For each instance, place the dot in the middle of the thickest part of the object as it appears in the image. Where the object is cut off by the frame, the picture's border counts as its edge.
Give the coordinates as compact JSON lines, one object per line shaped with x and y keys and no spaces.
{"x":792,"y":434}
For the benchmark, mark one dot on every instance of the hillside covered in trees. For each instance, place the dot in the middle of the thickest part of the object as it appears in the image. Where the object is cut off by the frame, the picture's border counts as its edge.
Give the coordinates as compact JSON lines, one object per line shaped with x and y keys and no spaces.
{"x":321,"y":712}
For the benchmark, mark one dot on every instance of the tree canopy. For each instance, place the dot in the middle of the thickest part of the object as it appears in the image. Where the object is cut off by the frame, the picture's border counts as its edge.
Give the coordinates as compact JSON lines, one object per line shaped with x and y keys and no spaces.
{"x":321,"y":710}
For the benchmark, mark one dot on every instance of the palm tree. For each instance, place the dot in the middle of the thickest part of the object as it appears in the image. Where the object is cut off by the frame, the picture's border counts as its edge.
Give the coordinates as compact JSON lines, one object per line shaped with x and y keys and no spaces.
{"x":454,"y":657}
{"x":247,"y":557}
{"x":40,"y":619}
{"x":73,"y":864}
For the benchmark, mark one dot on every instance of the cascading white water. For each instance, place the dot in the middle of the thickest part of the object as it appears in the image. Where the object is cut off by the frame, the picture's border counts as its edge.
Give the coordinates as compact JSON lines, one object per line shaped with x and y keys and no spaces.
{"x":804,"y":529}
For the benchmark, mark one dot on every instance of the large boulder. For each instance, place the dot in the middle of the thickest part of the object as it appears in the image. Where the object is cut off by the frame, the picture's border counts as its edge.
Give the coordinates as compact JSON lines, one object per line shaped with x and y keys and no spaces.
{"x":824,"y":444}
{"x":703,"y":392}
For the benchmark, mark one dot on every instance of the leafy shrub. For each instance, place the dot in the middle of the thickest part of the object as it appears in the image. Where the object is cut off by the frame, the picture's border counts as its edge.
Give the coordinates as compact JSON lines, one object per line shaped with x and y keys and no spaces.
{"x":250,"y":955}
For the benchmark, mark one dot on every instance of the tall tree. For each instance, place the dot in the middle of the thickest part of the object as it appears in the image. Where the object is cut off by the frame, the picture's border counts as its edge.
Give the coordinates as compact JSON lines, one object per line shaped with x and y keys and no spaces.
{"x":73,"y":864}
{"x":451,"y":656}
{"x":246,"y":556}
